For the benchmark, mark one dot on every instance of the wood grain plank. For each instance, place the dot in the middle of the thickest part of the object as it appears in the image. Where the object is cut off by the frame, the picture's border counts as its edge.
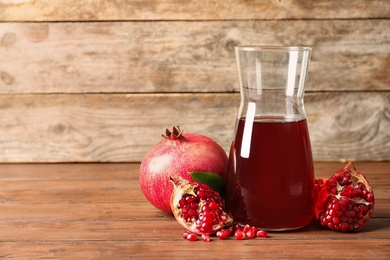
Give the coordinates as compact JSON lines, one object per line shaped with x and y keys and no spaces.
{"x":119,"y":230}
{"x":184,"y":56}
{"x":129,"y":171}
{"x":113,"y":208}
{"x":85,"y":171}
{"x":73,"y":10}
{"x":123,"y":127}
{"x":179,"y":249}
{"x":347,"y":125}
{"x":50,"y":128}
{"x":22,"y":196}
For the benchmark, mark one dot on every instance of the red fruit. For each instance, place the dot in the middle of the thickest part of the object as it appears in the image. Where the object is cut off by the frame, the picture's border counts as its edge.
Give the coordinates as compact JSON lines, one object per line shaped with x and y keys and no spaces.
{"x":223,"y":233}
{"x":255,"y":230}
{"x":206,"y":237}
{"x":246,"y":228}
{"x":198,"y":208}
{"x":177,"y":155}
{"x":191,"y":237}
{"x":345,"y":201}
{"x":251,"y":233}
{"x":185,"y":234}
{"x":239,"y":234}
{"x":262,"y":233}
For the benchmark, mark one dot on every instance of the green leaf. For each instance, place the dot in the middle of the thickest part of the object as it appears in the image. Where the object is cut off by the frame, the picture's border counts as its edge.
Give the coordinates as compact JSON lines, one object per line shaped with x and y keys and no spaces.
{"x":214,"y":181}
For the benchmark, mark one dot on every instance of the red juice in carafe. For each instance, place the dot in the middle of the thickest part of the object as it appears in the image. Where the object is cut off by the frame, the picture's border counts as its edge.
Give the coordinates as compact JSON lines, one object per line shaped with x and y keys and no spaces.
{"x":270,"y":174}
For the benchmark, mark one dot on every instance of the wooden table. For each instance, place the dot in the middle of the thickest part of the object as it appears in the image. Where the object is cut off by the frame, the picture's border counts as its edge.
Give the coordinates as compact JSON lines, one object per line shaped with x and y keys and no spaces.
{"x":98,"y":211}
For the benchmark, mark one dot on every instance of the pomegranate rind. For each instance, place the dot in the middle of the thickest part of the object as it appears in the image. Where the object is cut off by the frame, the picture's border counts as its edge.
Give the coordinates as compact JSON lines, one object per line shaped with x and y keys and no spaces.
{"x":337,"y":190}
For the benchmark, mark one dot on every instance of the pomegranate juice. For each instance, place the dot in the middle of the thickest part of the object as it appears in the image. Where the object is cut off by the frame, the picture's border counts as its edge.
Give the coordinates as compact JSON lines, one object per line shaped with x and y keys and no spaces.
{"x":270,"y":174}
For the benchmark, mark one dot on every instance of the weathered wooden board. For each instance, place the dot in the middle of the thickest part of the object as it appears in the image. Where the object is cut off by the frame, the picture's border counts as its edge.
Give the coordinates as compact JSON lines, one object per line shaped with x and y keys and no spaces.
{"x":349,"y":126}
{"x":122,"y":127}
{"x":119,"y":229}
{"x":70,"y":10}
{"x":136,"y":248}
{"x":123,"y":57}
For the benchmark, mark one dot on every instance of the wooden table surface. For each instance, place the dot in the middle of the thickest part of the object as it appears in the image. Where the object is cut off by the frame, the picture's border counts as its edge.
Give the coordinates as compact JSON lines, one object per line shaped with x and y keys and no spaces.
{"x":98,"y":211}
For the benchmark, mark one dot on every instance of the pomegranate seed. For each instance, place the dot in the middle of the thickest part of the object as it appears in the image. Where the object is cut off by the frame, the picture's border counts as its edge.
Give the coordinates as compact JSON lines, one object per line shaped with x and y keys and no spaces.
{"x":185,"y":209}
{"x":246,"y":228}
{"x":194,"y":205}
{"x":192,"y":237}
{"x":262,"y":233}
{"x":213,"y":205}
{"x":192,"y":213}
{"x":239,"y":234}
{"x":206,"y":226}
{"x":182,"y":202}
{"x":237,"y":226}
{"x":363,"y":209}
{"x":201,"y":194}
{"x":370,"y":197}
{"x":223,"y":217}
{"x":255,"y":229}
{"x":185,"y":234}
{"x":190,"y":199}
{"x":223,"y":233}
{"x":206,"y":237}
{"x":344,"y":227}
{"x":250,"y":234}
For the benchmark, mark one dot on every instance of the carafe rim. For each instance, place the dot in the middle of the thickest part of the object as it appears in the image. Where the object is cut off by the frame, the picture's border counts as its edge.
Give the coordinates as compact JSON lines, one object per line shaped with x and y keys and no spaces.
{"x":275,"y":48}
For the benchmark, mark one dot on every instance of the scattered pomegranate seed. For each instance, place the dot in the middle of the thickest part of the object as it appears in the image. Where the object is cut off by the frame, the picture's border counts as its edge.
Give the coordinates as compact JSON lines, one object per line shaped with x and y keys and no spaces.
{"x":206,"y":237}
{"x":262,"y":233}
{"x":239,"y":234}
{"x":255,"y":230}
{"x":223,"y":233}
{"x":250,"y":234}
{"x":185,"y":234}
{"x":192,"y":237}
{"x":246,"y":228}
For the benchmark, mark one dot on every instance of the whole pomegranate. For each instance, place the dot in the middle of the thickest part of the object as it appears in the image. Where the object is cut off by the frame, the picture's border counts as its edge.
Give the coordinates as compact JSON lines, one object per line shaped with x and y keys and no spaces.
{"x":345,"y":201}
{"x":177,"y":155}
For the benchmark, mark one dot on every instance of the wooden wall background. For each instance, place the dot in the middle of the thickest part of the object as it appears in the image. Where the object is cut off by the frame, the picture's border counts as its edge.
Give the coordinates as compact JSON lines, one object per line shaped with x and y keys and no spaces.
{"x":95,"y":80}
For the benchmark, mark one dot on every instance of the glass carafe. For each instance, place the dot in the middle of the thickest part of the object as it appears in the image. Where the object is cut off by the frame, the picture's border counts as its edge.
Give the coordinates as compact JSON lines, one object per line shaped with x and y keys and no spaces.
{"x":270,"y":172}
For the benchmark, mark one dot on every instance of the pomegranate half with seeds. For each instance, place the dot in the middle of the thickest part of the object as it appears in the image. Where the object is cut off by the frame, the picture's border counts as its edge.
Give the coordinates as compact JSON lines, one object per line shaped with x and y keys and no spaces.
{"x":178,"y":154}
{"x":198,"y":208}
{"x":345,"y":201}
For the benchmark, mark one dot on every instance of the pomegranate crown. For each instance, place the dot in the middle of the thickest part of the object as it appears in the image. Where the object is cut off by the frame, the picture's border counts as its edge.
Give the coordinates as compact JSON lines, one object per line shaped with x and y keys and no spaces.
{"x":176,"y":133}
